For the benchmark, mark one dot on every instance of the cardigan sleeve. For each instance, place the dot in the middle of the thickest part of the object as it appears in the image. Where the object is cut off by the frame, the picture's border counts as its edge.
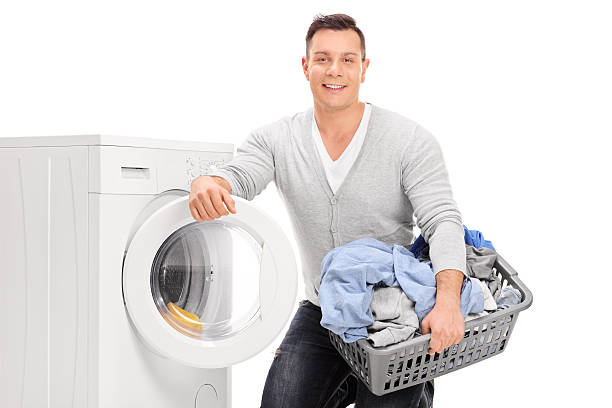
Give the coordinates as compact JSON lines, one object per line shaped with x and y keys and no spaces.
{"x":252,"y":168}
{"x":425,"y":181}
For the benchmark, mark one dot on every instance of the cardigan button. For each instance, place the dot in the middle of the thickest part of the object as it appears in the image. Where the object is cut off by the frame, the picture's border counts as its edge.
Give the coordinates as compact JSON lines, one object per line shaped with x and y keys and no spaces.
{"x":334,"y":201}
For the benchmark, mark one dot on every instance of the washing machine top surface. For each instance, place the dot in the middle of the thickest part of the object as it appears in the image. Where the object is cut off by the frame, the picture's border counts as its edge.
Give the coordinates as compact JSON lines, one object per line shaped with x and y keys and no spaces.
{"x":113,"y":140}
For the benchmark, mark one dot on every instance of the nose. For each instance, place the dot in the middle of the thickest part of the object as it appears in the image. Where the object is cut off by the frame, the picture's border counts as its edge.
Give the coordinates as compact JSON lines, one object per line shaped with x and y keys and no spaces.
{"x":334,"y":68}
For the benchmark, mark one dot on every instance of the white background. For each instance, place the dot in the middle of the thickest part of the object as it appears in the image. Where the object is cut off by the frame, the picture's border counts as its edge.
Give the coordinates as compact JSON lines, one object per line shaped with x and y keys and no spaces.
{"x":519,"y":95}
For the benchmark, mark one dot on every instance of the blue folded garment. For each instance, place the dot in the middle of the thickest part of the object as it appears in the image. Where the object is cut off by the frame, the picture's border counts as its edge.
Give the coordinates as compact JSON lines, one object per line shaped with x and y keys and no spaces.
{"x":350,"y":272}
{"x":472,"y":237}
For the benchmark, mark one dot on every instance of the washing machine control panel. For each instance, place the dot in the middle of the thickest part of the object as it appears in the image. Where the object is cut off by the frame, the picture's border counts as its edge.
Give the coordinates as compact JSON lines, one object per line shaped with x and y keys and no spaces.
{"x":196,"y":166}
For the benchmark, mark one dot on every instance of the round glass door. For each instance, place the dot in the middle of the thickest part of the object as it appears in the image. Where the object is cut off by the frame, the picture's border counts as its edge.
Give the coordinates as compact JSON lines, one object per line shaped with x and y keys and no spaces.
{"x":205,"y":280}
{"x":207,"y":294}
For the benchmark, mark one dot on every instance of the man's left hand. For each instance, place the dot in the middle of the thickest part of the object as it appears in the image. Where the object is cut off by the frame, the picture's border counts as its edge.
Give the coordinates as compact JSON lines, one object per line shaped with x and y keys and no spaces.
{"x":446,"y":325}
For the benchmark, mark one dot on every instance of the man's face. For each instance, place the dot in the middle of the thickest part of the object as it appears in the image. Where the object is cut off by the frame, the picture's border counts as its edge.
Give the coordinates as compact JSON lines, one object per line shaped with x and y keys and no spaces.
{"x":335,"y":59}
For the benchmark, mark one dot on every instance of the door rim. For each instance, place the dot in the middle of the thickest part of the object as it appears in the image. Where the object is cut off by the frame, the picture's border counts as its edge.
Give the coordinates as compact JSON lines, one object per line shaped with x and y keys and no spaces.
{"x":277,"y":291}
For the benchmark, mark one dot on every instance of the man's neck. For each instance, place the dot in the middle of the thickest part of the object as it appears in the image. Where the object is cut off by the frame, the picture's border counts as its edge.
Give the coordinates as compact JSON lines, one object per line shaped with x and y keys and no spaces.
{"x":337,"y":125}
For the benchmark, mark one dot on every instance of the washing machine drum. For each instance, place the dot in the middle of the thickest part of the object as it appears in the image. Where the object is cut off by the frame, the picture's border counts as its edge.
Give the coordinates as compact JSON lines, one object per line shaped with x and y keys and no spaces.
{"x":180,"y":282}
{"x":195,"y":293}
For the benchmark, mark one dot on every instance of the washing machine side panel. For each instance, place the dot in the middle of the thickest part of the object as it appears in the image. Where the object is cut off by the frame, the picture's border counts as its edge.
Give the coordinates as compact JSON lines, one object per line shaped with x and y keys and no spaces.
{"x":44,"y":276}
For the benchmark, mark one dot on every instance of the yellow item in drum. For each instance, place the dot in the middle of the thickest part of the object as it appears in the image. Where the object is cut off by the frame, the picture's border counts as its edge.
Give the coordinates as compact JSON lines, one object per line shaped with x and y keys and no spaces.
{"x":184,"y":317}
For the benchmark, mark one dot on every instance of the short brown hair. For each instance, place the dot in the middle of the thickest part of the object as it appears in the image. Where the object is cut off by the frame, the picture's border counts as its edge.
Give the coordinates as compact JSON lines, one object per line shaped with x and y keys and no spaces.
{"x":336,"y":22}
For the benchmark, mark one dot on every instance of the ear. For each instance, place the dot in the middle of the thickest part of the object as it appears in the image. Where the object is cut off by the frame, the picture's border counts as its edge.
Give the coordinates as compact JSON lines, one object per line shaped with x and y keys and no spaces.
{"x":364,"y":66}
{"x":305,"y":68}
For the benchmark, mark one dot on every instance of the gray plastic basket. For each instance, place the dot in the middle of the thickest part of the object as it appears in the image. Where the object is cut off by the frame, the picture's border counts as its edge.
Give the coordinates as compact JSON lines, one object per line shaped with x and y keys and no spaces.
{"x":397,"y":366}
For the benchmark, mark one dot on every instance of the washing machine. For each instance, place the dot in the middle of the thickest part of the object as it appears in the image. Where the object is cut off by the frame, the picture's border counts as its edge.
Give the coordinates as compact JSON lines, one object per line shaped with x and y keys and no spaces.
{"x":111,"y":294}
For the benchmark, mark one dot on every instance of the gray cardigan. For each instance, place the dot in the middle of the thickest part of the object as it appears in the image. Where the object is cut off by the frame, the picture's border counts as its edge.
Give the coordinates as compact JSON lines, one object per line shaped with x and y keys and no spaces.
{"x":398,"y":173}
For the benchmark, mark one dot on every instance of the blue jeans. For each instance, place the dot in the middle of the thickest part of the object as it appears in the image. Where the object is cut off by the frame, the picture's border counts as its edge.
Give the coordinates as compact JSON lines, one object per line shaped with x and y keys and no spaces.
{"x":308,"y":372}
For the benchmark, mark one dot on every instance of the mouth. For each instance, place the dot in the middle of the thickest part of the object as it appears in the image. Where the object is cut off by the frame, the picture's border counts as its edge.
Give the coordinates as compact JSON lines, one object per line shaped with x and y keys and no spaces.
{"x":333,"y":88}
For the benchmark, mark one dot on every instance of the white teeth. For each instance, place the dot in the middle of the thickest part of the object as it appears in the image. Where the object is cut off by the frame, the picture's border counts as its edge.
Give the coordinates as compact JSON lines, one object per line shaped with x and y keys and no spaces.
{"x":334,"y":86}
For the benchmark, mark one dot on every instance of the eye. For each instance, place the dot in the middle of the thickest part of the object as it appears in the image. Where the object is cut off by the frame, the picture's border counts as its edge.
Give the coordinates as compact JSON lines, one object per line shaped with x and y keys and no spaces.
{"x":348,"y":59}
{"x":321,"y":59}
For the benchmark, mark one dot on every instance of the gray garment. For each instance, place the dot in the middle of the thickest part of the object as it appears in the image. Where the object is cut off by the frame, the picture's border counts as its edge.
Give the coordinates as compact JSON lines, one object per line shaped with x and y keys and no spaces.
{"x":479,"y":264}
{"x":394,"y":317}
{"x":495,"y":284}
{"x":399,"y":173}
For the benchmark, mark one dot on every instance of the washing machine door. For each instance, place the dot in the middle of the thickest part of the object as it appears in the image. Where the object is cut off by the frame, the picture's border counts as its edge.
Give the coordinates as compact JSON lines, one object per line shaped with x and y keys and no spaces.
{"x":207,"y":294}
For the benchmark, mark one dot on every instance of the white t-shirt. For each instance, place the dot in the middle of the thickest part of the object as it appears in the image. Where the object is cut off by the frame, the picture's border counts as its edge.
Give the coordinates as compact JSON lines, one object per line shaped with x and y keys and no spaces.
{"x":336,"y":171}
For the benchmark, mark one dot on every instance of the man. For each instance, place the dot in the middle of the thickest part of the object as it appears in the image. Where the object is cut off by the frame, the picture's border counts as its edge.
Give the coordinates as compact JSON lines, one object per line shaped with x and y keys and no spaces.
{"x":345,"y":170}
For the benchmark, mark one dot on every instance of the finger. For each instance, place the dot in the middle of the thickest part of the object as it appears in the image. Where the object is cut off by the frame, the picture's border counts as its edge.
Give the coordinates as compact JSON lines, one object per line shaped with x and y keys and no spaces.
{"x":193,"y":207}
{"x":458,"y":334}
{"x":449,"y":342}
{"x":229,"y":201}
{"x":218,"y":204}
{"x":425,"y":326}
{"x":194,"y":211}
{"x":434,"y":343}
{"x":210,"y":210}
{"x":444,"y":343}
{"x":198,"y":204}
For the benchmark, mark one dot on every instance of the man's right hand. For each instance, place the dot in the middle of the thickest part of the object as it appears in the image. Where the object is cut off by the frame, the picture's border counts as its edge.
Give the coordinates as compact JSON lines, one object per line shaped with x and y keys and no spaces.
{"x":206,"y":199}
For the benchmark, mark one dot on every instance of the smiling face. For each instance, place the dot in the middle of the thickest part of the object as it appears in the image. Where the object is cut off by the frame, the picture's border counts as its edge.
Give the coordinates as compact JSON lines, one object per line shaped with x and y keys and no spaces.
{"x":334,"y":68}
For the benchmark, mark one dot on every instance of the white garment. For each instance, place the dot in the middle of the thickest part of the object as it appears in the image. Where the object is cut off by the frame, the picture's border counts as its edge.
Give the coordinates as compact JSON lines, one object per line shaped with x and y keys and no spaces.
{"x":489,"y":302}
{"x":336,"y":171}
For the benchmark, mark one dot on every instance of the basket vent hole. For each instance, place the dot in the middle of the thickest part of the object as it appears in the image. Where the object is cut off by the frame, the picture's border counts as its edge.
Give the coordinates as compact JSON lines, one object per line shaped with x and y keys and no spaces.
{"x":424,"y":373}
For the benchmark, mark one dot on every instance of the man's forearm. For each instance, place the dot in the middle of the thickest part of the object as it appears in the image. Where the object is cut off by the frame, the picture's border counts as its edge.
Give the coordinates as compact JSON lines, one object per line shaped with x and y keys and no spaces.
{"x":448,"y":284}
{"x":223,"y":183}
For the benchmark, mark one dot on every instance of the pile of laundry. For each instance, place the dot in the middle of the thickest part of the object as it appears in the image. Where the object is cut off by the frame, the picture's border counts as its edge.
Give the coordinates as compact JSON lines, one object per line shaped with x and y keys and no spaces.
{"x":380,"y":292}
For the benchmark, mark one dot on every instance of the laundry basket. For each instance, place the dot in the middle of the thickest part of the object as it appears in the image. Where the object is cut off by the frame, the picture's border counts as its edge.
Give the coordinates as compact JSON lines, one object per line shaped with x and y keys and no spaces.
{"x":398,"y":366}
